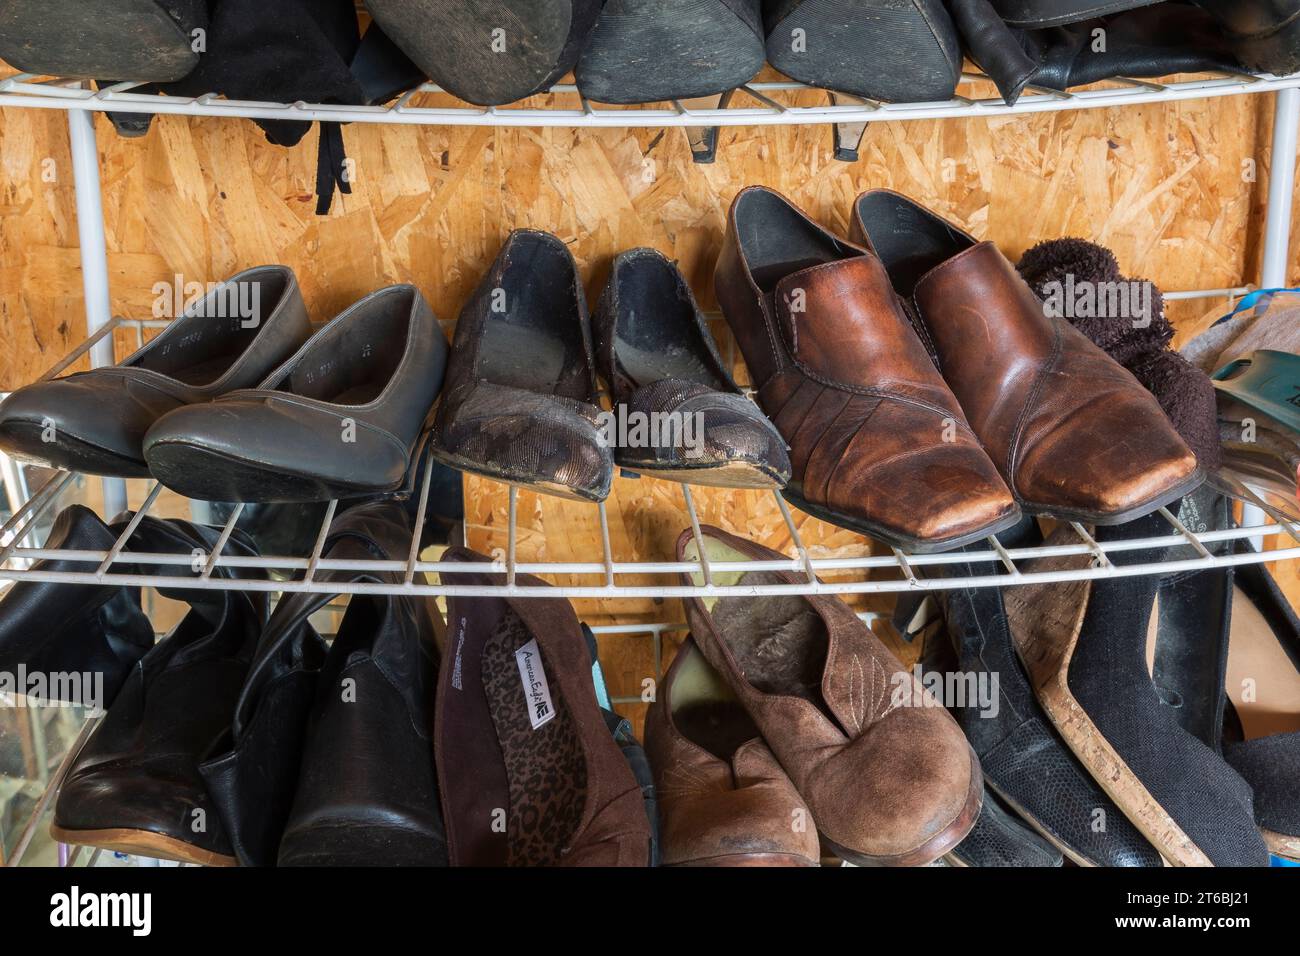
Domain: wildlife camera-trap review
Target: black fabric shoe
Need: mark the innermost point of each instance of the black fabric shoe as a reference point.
(490, 52)
(999, 839)
(135, 785)
(644, 51)
(1084, 645)
(1227, 666)
(1025, 762)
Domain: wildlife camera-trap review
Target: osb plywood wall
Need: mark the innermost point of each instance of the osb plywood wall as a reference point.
(1176, 190)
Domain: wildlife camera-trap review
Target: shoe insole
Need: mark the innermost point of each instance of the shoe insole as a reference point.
(777, 241)
(657, 336)
(1263, 682)
(704, 710)
(545, 768)
(206, 372)
(532, 339)
(910, 241)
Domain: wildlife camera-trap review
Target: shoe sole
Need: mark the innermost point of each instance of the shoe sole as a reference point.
(733, 474)
(714, 51)
(427, 29)
(541, 485)
(884, 50)
(1045, 647)
(206, 475)
(23, 440)
(900, 541)
(938, 845)
(1106, 519)
(117, 39)
(142, 843)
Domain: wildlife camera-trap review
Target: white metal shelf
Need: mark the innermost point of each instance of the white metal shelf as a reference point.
(31, 91)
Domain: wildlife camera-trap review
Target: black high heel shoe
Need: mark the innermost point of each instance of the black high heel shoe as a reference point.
(889, 50)
(490, 52)
(644, 51)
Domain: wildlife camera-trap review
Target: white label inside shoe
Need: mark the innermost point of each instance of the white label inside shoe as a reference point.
(537, 694)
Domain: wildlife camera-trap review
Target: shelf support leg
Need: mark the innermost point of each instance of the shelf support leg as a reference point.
(94, 261)
(1277, 225)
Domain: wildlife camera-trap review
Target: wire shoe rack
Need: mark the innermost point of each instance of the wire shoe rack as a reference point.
(884, 573)
(755, 104)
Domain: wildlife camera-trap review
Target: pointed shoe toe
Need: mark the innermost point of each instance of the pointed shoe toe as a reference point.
(515, 436)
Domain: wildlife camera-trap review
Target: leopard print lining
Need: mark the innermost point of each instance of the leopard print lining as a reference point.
(545, 767)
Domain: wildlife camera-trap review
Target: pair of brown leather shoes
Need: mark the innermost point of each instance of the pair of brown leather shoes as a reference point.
(929, 398)
(784, 718)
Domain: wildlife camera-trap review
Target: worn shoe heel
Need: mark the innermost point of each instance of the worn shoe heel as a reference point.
(644, 51)
(490, 52)
(139, 40)
(890, 50)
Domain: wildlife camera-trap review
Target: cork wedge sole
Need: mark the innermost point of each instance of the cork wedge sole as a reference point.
(1046, 621)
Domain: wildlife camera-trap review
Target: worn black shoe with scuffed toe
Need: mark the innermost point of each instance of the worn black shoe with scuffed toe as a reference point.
(520, 401)
(681, 415)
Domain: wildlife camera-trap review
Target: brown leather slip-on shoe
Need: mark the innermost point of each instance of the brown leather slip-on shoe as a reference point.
(878, 443)
(885, 770)
(1074, 434)
(723, 798)
(527, 769)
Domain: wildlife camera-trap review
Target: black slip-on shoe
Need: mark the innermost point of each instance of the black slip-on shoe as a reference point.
(685, 418)
(644, 51)
(520, 403)
(345, 417)
(95, 422)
